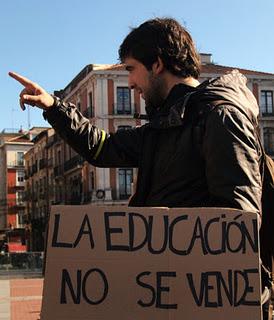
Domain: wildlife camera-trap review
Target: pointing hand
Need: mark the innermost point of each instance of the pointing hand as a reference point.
(32, 94)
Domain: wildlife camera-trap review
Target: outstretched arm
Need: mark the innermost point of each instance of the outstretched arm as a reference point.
(121, 149)
(32, 94)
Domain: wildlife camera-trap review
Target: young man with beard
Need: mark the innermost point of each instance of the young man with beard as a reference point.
(181, 162)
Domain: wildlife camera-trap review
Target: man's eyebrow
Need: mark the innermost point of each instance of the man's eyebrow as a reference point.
(129, 68)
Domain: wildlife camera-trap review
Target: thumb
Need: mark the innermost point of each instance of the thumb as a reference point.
(30, 99)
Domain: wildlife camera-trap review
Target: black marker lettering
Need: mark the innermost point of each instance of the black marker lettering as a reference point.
(147, 286)
(66, 280)
(132, 231)
(55, 242)
(83, 231)
(109, 231)
(105, 286)
(161, 289)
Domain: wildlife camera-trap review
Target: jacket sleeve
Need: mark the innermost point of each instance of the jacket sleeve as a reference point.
(232, 160)
(120, 149)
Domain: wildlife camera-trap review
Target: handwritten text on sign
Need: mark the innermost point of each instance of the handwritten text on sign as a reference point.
(150, 258)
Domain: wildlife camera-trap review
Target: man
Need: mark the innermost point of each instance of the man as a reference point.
(187, 156)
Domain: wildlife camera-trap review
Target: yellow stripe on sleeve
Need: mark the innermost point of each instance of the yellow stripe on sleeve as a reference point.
(103, 138)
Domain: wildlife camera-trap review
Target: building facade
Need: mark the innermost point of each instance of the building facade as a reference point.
(13, 146)
(38, 189)
(101, 93)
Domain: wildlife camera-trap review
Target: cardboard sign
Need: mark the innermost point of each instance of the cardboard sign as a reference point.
(151, 263)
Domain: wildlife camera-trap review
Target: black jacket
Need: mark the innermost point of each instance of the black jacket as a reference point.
(180, 166)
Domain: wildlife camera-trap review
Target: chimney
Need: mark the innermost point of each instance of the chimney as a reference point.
(206, 58)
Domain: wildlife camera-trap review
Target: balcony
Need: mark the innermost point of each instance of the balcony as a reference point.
(58, 171)
(42, 195)
(13, 187)
(267, 114)
(42, 163)
(50, 162)
(15, 164)
(27, 174)
(27, 196)
(34, 169)
(34, 197)
(74, 162)
(124, 110)
(16, 204)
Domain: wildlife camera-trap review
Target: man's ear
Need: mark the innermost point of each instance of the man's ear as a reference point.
(158, 66)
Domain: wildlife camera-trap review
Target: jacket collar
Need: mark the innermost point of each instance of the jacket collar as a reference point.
(171, 113)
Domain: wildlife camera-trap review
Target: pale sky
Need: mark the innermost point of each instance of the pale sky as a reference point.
(50, 41)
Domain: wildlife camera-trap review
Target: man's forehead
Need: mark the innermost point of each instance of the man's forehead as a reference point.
(129, 61)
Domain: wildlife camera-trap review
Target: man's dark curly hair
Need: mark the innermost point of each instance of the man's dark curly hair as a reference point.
(164, 38)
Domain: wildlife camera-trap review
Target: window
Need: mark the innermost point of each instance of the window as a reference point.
(125, 180)
(20, 158)
(45, 183)
(90, 107)
(40, 185)
(20, 197)
(123, 127)
(123, 100)
(269, 140)
(20, 176)
(267, 102)
(59, 157)
(41, 212)
(21, 218)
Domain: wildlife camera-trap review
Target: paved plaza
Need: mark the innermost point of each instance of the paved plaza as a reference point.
(20, 299)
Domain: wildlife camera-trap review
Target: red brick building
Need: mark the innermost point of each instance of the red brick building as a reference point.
(13, 146)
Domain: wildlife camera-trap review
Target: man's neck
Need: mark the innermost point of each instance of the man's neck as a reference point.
(172, 81)
(190, 81)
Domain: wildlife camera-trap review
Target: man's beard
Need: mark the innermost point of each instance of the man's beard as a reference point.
(155, 94)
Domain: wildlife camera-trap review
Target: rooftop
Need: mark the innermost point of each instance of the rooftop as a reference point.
(208, 67)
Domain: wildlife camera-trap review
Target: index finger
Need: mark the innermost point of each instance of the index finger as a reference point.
(23, 80)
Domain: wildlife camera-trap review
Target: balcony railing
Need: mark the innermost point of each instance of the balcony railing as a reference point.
(34, 169)
(267, 114)
(27, 196)
(73, 162)
(50, 162)
(16, 163)
(42, 163)
(126, 109)
(13, 187)
(58, 171)
(15, 204)
(34, 196)
(27, 174)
